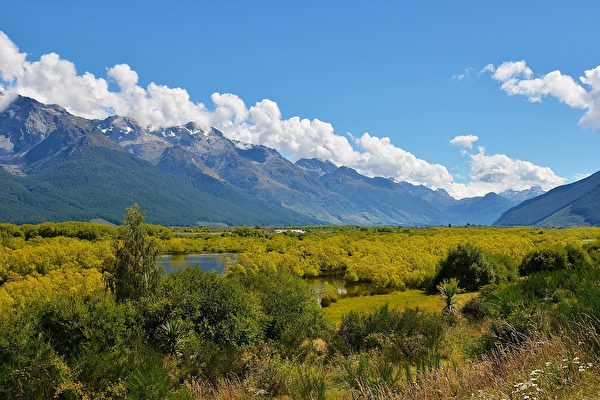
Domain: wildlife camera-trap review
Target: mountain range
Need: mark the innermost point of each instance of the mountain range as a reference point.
(57, 166)
(575, 204)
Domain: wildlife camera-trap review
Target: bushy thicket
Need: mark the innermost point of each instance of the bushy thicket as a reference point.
(473, 268)
(258, 331)
(555, 257)
(560, 296)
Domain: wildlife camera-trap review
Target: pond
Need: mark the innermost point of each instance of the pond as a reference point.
(343, 288)
(208, 262)
(217, 262)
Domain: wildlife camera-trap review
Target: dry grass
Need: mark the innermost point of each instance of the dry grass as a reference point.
(226, 389)
(541, 369)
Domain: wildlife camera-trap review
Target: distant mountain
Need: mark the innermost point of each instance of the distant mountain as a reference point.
(568, 205)
(64, 167)
(482, 210)
(377, 199)
(478, 210)
(58, 166)
(517, 196)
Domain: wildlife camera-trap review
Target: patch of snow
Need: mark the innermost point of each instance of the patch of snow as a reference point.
(6, 144)
(242, 145)
(168, 133)
(196, 131)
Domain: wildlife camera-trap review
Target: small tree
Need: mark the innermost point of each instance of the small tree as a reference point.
(136, 272)
(449, 290)
(469, 265)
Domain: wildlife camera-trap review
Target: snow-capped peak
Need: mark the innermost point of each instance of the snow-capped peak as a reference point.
(242, 145)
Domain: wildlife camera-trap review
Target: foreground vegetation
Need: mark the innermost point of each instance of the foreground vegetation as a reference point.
(453, 313)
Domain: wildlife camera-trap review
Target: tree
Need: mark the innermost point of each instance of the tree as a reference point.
(136, 272)
(468, 264)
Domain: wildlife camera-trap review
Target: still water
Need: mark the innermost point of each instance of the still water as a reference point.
(217, 262)
(208, 262)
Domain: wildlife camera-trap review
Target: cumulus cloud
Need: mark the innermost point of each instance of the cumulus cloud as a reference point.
(499, 172)
(52, 79)
(516, 78)
(499, 169)
(12, 63)
(464, 141)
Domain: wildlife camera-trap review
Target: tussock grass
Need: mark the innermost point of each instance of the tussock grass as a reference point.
(540, 369)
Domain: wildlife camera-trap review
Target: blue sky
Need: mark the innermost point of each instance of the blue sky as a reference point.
(386, 68)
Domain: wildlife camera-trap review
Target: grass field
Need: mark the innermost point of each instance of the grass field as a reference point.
(397, 300)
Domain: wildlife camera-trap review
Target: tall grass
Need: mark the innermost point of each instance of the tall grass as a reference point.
(541, 368)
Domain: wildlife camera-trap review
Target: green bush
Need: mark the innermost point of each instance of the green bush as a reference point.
(593, 249)
(75, 324)
(219, 309)
(558, 302)
(475, 309)
(209, 361)
(79, 230)
(292, 312)
(369, 375)
(65, 346)
(552, 258)
(310, 383)
(469, 265)
(8, 231)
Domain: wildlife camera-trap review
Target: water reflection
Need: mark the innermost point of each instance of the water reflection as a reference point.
(326, 288)
(208, 262)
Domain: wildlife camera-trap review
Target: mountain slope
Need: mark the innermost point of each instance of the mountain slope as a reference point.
(577, 203)
(99, 182)
(65, 167)
(379, 199)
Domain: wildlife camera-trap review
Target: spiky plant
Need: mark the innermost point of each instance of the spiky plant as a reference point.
(169, 337)
(449, 290)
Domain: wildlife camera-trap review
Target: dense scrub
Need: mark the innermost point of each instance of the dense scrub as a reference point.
(388, 257)
(69, 332)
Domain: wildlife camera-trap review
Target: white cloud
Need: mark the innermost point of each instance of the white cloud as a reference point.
(581, 176)
(12, 63)
(516, 78)
(498, 172)
(509, 70)
(52, 79)
(381, 157)
(464, 141)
